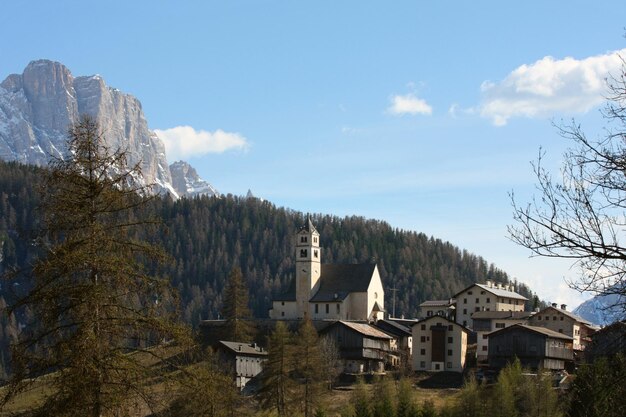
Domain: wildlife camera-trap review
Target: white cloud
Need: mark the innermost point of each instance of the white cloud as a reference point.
(185, 141)
(409, 104)
(548, 86)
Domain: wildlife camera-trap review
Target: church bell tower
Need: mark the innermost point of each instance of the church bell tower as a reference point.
(308, 266)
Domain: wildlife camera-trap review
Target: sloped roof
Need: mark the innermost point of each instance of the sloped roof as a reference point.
(244, 348)
(536, 329)
(337, 281)
(308, 227)
(436, 303)
(392, 327)
(495, 291)
(513, 315)
(422, 321)
(567, 313)
(365, 329)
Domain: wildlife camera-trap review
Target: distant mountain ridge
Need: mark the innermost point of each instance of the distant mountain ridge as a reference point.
(38, 106)
(601, 309)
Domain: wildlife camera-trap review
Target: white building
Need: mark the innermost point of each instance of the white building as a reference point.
(565, 322)
(486, 297)
(328, 291)
(439, 344)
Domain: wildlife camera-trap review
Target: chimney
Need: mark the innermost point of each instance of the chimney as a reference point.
(554, 305)
(563, 306)
(489, 284)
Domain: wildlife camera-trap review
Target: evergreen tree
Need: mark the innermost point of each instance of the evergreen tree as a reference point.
(599, 388)
(308, 366)
(93, 303)
(235, 309)
(276, 384)
(360, 400)
(383, 397)
(406, 403)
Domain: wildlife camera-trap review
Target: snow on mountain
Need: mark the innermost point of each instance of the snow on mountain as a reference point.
(186, 181)
(38, 106)
(601, 309)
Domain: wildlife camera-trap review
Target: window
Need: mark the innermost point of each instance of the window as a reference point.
(485, 336)
(327, 308)
(449, 352)
(560, 330)
(450, 339)
(554, 318)
(317, 308)
(315, 253)
(476, 308)
(469, 293)
(482, 293)
(303, 253)
(538, 318)
(429, 313)
(437, 366)
(282, 313)
(561, 318)
(423, 327)
(338, 308)
(314, 240)
(449, 364)
(464, 323)
(423, 339)
(484, 348)
(422, 351)
(303, 239)
(488, 299)
(477, 300)
(464, 311)
(465, 301)
(449, 327)
(422, 364)
(499, 325)
(282, 303)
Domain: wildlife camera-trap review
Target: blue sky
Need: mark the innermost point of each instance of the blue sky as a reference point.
(423, 114)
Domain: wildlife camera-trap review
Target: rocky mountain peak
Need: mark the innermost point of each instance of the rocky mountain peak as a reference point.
(186, 181)
(38, 106)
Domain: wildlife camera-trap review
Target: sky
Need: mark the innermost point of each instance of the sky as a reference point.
(426, 115)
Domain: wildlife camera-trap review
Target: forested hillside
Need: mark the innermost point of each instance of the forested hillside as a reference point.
(207, 237)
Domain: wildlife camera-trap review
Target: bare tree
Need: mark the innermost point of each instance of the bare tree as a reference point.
(582, 215)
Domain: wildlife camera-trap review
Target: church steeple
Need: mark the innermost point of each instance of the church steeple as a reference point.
(308, 265)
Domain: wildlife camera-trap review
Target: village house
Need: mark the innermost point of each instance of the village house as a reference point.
(562, 321)
(403, 337)
(329, 291)
(243, 360)
(486, 297)
(485, 322)
(438, 308)
(535, 347)
(362, 347)
(439, 344)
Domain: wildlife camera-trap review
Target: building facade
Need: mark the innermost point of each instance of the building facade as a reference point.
(485, 322)
(439, 344)
(486, 297)
(535, 347)
(243, 360)
(562, 321)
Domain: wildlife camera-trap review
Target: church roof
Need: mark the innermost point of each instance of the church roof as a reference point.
(308, 227)
(337, 281)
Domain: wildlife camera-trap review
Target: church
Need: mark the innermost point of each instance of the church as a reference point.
(351, 292)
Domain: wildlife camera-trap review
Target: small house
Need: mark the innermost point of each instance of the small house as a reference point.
(535, 347)
(243, 360)
(439, 344)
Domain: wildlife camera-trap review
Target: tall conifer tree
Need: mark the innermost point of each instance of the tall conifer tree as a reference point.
(235, 309)
(94, 304)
